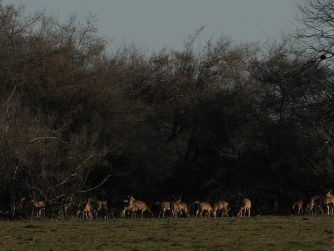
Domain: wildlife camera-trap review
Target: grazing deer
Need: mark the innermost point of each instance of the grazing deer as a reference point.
(63, 210)
(222, 206)
(180, 207)
(245, 208)
(203, 207)
(163, 208)
(328, 201)
(102, 207)
(40, 207)
(135, 206)
(312, 204)
(297, 206)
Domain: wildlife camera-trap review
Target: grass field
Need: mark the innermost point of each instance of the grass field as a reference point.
(256, 233)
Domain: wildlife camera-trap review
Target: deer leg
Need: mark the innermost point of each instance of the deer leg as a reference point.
(77, 215)
(39, 213)
(66, 214)
(197, 212)
(240, 213)
(123, 213)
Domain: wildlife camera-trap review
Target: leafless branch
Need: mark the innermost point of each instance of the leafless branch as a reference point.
(93, 188)
(76, 171)
(10, 96)
(41, 138)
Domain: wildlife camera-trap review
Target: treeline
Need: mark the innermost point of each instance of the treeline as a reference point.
(79, 120)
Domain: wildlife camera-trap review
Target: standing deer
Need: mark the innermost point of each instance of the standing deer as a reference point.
(88, 210)
(311, 207)
(203, 207)
(297, 206)
(222, 206)
(102, 207)
(245, 208)
(328, 201)
(126, 209)
(20, 207)
(63, 210)
(180, 207)
(40, 207)
(136, 206)
(164, 207)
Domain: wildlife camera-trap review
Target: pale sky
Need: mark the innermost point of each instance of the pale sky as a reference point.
(153, 24)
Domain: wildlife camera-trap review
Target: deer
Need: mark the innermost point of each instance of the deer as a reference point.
(245, 208)
(63, 210)
(136, 206)
(312, 204)
(80, 210)
(203, 207)
(102, 207)
(222, 206)
(19, 207)
(20, 204)
(88, 210)
(180, 207)
(164, 206)
(40, 207)
(18, 210)
(328, 201)
(298, 205)
(126, 209)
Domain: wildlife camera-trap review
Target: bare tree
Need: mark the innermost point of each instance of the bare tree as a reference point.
(317, 27)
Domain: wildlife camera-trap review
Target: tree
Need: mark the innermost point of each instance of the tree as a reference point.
(317, 27)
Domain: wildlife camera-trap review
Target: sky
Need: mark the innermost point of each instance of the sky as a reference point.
(154, 24)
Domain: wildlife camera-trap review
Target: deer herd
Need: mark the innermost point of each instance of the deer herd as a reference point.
(315, 205)
(133, 208)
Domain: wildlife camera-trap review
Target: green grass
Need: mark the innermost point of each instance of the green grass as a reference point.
(256, 233)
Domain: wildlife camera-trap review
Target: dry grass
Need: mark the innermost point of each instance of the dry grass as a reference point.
(256, 233)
